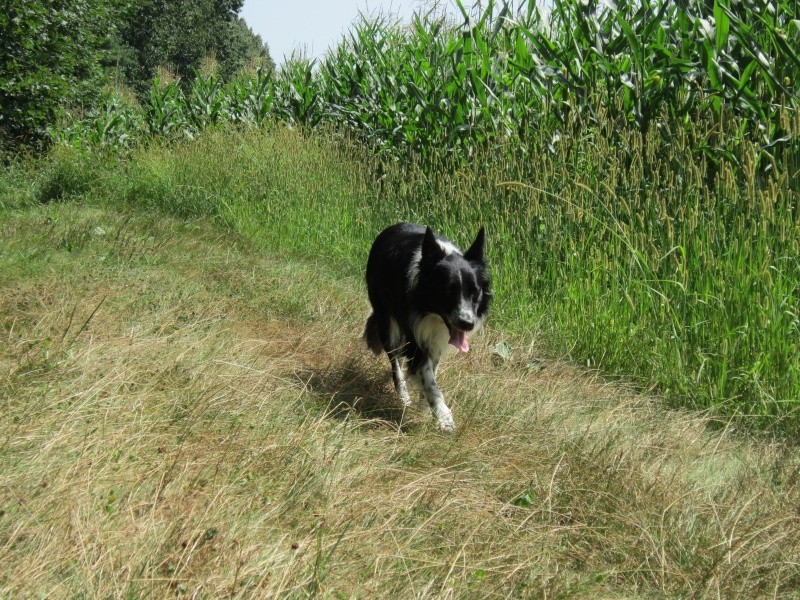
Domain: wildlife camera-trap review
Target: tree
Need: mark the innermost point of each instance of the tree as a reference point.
(241, 47)
(179, 34)
(52, 54)
(57, 54)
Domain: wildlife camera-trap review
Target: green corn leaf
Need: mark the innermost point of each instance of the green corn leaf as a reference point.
(723, 25)
(748, 71)
(632, 38)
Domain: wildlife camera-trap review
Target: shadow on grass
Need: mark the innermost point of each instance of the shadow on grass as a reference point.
(360, 387)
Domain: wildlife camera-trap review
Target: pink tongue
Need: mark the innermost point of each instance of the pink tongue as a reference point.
(459, 340)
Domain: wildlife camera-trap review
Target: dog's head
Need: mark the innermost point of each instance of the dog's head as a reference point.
(455, 286)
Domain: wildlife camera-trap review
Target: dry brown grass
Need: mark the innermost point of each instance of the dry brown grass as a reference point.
(181, 415)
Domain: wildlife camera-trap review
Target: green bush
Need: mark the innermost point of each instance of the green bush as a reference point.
(65, 175)
(53, 53)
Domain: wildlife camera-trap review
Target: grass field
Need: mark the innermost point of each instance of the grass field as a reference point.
(187, 409)
(636, 267)
(636, 164)
(184, 414)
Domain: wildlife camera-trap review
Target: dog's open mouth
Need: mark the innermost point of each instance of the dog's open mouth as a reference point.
(459, 339)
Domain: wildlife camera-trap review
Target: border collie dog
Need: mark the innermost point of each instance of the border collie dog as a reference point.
(426, 296)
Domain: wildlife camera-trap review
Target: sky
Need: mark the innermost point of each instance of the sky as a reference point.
(313, 26)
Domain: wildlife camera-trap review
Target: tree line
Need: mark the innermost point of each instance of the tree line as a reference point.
(55, 55)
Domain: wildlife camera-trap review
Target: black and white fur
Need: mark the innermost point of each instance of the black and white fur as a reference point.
(426, 295)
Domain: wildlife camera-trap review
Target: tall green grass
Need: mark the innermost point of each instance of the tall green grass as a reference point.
(664, 279)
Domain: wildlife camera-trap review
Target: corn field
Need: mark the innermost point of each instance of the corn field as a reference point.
(637, 164)
(435, 85)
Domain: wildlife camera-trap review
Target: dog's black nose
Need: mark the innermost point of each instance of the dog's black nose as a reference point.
(465, 323)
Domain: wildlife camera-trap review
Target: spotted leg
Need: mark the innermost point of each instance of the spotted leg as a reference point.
(427, 376)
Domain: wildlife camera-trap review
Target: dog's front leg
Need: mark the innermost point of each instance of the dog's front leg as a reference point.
(435, 398)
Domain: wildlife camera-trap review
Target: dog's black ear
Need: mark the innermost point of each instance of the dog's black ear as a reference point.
(431, 250)
(475, 252)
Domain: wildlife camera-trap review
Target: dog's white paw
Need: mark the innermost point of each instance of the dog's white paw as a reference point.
(445, 422)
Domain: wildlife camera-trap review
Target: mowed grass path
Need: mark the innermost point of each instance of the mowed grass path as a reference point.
(181, 414)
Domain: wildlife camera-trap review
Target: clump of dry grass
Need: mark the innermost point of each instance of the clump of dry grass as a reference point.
(181, 415)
